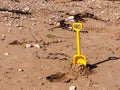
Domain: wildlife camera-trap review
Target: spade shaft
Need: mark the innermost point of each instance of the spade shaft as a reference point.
(78, 58)
(78, 43)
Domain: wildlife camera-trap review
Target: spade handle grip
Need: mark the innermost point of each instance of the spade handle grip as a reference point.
(77, 26)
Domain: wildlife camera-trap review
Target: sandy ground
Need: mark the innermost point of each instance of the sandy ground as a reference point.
(26, 68)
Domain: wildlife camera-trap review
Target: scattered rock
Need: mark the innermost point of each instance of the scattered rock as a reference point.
(28, 45)
(57, 41)
(37, 46)
(118, 17)
(20, 28)
(40, 77)
(21, 12)
(6, 54)
(41, 66)
(26, 9)
(60, 24)
(107, 20)
(33, 24)
(72, 88)
(71, 18)
(66, 23)
(3, 37)
(9, 30)
(21, 70)
(70, 13)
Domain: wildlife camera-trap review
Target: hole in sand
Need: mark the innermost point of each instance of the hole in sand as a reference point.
(73, 74)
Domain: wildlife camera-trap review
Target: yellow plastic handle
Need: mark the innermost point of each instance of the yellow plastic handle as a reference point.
(77, 26)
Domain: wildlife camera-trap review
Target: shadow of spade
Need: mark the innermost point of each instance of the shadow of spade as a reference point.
(95, 65)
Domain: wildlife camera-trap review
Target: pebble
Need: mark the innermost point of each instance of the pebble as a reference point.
(102, 12)
(59, 40)
(8, 24)
(37, 45)
(71, 12)
(40, 77)
(33, 24)
(20, 70)
(41, 66)
(33, 19)
(57, 24)
(3, 37)
(9, 29)
(51, 19)
(118, 17)
(26, 9)
(20, 28)
(72, 88)
(5, 17)
(28, 45)
(70, 28)
(107, 19)
(6, 54)
(25, 17)
(70, 18)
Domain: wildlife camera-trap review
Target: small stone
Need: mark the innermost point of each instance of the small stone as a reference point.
(70, 18)
(37, 45)
(20, 70)
(40, 77)
(3, 37)
(28, 45)
(6, 54)
(33, 24)
(26, 9)
(59, 40)
(20, 28)
(70, 28)
(72, 88)
(57, 23)
(32, 19)
(9, 29)
(41, 66)
(8, 24)
(71, 12)
(118, 17)
(6, 18)
(102, 12)
(107, 19)
(25, 17)
(51, 19)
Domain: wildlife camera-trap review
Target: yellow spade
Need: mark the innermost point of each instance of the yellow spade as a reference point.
(78, 58)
